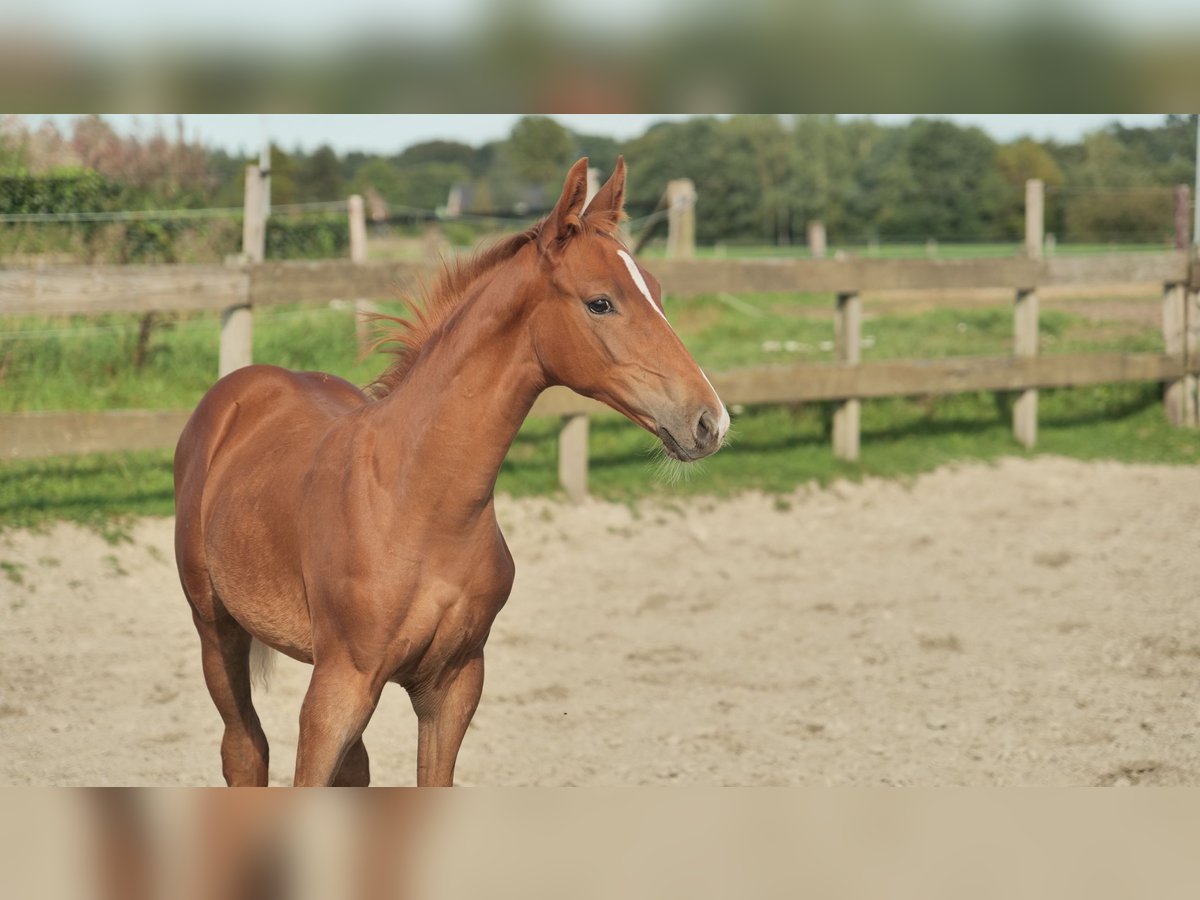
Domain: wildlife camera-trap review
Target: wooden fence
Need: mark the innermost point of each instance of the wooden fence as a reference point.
(237, 289)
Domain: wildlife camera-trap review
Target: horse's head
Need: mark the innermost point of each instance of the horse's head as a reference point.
(602, 331)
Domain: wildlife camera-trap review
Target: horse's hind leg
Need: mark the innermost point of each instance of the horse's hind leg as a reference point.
(225, 650)
(444, 712)
(356, 767)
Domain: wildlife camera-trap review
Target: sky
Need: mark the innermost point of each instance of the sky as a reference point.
(388, 134)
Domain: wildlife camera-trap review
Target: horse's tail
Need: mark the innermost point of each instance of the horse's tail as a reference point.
(262, 663)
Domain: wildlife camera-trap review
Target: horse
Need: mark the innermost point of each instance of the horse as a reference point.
(355, 529)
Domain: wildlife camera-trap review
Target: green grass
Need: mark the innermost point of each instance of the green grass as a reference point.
(774, 449)
(87, 362)
(72, 364)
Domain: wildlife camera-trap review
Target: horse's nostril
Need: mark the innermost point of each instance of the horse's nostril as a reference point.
(706, 428)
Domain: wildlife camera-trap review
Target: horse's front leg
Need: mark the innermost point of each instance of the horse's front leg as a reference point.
(444, 711)
(337, 707)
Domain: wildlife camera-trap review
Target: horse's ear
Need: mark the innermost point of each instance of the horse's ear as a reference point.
(607, 208)
(564, 220)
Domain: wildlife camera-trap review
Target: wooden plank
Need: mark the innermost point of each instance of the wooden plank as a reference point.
(50, 433)
(802, 382)
(848, 341)
(573, 456)
(562, 401)
(1169, 266)
(805, 382)
(306, 282)
(33, 434)
(70, 290)
(99, 289)
(683, 278)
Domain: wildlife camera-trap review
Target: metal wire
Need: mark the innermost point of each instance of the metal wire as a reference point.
(142, 215)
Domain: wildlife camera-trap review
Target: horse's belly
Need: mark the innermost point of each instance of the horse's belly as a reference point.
(259, 583)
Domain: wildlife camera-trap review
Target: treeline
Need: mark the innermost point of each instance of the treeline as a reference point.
(760, 179)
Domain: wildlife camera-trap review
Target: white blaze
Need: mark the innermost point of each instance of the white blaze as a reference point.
(636, 274)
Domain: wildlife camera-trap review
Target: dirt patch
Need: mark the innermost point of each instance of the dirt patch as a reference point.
(1029, 623)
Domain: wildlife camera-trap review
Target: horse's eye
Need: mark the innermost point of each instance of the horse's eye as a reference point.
(600, 306)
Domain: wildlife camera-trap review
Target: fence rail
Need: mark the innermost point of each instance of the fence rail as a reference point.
(37, 434)
(69, 290)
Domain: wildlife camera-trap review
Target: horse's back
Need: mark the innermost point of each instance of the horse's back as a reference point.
(240, 465)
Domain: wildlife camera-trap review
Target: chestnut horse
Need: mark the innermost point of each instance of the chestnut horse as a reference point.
(356, 530)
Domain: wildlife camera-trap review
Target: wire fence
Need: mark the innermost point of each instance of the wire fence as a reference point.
(294, 231)
(1078, 219)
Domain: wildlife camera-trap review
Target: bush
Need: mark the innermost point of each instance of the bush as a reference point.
(310, 237)
(59, 191)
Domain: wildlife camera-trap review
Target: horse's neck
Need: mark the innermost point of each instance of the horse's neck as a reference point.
(458, 410)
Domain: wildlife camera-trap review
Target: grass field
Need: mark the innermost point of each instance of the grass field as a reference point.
(88, 364)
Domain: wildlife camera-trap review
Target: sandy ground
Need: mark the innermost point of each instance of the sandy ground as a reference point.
(1029, 623)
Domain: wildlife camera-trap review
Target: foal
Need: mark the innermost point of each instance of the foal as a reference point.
(356, 530)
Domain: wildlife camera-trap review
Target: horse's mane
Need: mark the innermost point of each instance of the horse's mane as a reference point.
(404, 336)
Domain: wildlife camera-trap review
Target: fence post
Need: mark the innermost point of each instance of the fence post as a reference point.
(681, 219)
(1025, 314)
(573, 456)
(1174, 315)
(1180, 322)
(237, 322)
(1191, 351)
(593, 185)
(1182, 219)
(358, 254)
(848, 348)
(1035, 217)
(816, 239)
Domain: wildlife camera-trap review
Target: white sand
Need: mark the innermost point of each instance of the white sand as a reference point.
(1031, 623)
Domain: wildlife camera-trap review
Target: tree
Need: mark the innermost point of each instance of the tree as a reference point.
(761, 144)
(948, 187)
(727, 200)
(14, 138)
(319, 176)
(283, 177)
(539, 151)
(424, 186)
(454, 152)
(384, 176)
(1117, 196)
(1025, 159)
(1019, 162)
(601, 151)
(823, 179)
